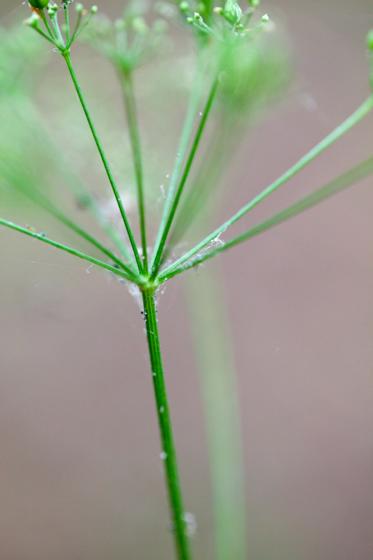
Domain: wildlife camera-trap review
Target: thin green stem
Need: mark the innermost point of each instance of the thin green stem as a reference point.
(206, 181)
(85, 197)
(28, 185)
(67, 249)
(104, 160)
(168, 454)
(187, 169)
(47, 26)
(86, 236)
(67, 21)
(186, 135)
(95, 211)
(350, 122)
(43, 202)
(44, 35)
(76, 186)
(344, 181)
(60, 43)
(76, 29)
(134, 133)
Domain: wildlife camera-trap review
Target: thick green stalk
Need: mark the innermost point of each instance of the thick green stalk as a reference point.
(217, 375)
(342, 182)
(104, 160)
(188, 166)
(168, 454)
(337, 133)
(67, 249)
(134, 133)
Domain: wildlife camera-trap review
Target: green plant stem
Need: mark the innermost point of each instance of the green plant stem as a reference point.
(61, 217)
(188, 166)
(43, 202)
(351, 121)
(206, 182)
(30, 114)
(344, 181)
(168, 454)
(60, 43)
(104, 160)
(215, 359)
(133, 127)
(71, 251)
(208, 5)
(185, 137)
(47, 26)
(76, 29)
(84, 196)
(44, 35)
(67, 21)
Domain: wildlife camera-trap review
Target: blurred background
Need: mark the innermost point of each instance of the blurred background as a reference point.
(80, 473)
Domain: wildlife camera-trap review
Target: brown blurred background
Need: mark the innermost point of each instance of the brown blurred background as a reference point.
(80, 475)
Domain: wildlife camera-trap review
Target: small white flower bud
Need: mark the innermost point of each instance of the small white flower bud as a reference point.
(33, 20)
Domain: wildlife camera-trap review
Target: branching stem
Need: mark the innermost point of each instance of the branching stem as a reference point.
(195, 145)
(185, 137)
(337, 133)
(128, 275)
(104, 160)
(341, 183)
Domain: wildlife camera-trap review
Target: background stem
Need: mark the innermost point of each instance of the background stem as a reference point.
(217, 376)
(168, 454)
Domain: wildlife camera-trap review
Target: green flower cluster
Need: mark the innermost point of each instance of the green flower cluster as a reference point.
(131, 40)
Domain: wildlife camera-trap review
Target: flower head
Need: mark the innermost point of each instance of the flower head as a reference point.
(130, 40)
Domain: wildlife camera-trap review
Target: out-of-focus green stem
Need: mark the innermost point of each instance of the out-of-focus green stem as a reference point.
(213, 344)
